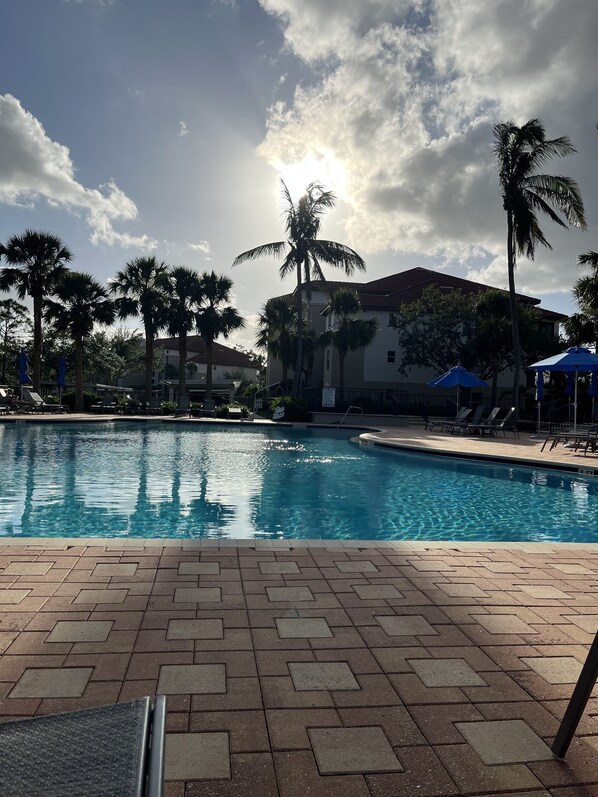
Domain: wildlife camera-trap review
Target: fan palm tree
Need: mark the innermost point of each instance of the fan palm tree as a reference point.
(36, 261)
(142, 288)
(277, 333)
(520, 151)
(305, 252)
(184, 296)
(216, 317)
(582, 327)
(347, 333)
(80, 303)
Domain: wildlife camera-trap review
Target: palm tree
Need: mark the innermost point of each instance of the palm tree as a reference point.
(184, 296)
(80, 303)
(305, 252)
(347, 333)
(38, 260)
(142, 285)
(216, 317)
(582, 327)
(519, 152)
(278, 332)
(14, 317)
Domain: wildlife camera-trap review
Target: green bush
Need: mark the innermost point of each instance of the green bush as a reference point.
(221, 411)
(168, 407)
(89, 398)
(294, 409)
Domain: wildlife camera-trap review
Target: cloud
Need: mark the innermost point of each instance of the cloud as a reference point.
(202, 246)
(33, 167)
(404, 96)
(183, 129)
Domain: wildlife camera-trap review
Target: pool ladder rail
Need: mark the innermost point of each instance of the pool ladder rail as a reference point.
(352, 407)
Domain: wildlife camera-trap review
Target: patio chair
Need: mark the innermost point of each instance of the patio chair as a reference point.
(578, 702)
(208, 407)
(116, 751)
(106, 405)
(486, 426)
(154, 406)
(184, 406)
(235, 412)
(33, 402)
(463, 412)
(462, 425)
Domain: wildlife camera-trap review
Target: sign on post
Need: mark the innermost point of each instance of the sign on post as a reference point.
(328, 396)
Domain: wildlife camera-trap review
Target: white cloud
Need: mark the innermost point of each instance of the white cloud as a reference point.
(202, 246)
(33, 167)
(183, 129)
(404, 96)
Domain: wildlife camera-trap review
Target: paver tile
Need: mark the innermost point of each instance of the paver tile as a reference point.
(198, 679)
(280, 568)
(446, 672)
(503, 624)
(504, 741)
(362, 566)
(342, 751)
(542, 591)
(13, 596)
(462, 590)
(196, 756)
(52, 682)
(289, 594)
(373, 591)
(26, 569)
(80, 631)
(199, 568)
(571, 569)
(555, 669)
(587, 622)
(123, 569)
(197, 595)
(303, 628)
(406, 625)
(101, 596)
(322, 676)
(195, 629)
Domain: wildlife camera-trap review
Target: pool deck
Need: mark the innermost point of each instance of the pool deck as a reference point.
(312, 667)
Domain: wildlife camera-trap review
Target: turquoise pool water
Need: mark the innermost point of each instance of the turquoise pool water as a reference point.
(158, 480)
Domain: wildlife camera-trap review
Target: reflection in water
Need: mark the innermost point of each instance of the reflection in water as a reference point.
(122, 479)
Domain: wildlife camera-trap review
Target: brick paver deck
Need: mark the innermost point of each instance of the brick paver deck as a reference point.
(316, 668)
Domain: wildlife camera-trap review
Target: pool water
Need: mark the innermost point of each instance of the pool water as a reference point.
(162, 480)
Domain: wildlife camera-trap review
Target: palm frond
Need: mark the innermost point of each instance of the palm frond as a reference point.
(562, 193)
(265, 250)
(337, 255)
(588, 259)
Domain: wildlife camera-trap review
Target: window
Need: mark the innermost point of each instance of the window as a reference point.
(390, 356)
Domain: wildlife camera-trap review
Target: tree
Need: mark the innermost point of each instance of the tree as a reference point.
(277, 331)
(347, 332)
(14, 318)
(582, 327)
(81, 302)
(520, 151)
(184, 296)
(442, 329)
(36, 261)
(305, 251)
(216, 317)
(141, 286)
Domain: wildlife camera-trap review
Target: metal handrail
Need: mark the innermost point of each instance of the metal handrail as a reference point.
(352, 407)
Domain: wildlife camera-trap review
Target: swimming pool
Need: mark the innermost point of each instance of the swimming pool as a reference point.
(166, 480)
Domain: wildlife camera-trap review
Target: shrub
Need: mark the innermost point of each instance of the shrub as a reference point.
(294, 409)
(168, 407)
(221, 411)
(89, 398)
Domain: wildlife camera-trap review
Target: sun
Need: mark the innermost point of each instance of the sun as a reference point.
(322, 167)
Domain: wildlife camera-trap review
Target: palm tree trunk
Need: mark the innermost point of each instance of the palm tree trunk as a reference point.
(182, 363)
(514, 313)
(341, 377)
(149, 359)
(299, 357)
(494, 388)
(209, 358)
(37, 341)
(79, 406)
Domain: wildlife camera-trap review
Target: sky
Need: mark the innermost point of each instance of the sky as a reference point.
(135, 127)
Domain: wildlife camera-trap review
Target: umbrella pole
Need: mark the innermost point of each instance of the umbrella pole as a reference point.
(539, 417)
(458, 399)
(575, 405)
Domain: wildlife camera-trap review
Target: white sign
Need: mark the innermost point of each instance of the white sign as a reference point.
(328, 396)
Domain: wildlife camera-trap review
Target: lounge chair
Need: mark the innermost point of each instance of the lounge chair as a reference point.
(154, 407)
(235, 412)
(116, 750)
(507, 425)
(445, 422)
(33, 402)
(6, 401)
(278, 414)
(184, 406)
(107, 404)
(208, 407)
(486, 426)
(463, 424)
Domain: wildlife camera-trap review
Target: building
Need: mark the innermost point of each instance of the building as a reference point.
(376, 367)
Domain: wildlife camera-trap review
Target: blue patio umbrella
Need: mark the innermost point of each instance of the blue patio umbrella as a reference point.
(457, 377)
(23, 364)
(575, 360)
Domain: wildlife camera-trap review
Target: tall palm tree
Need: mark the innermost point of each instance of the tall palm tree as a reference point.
(277, 333)
(80, 303)
(36, 261)
(347, 333)
(141, 286)
(305, 251)
(216, 317)
(520, 151)
(184, 295)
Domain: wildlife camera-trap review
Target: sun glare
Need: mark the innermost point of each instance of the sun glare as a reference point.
(322, 168)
